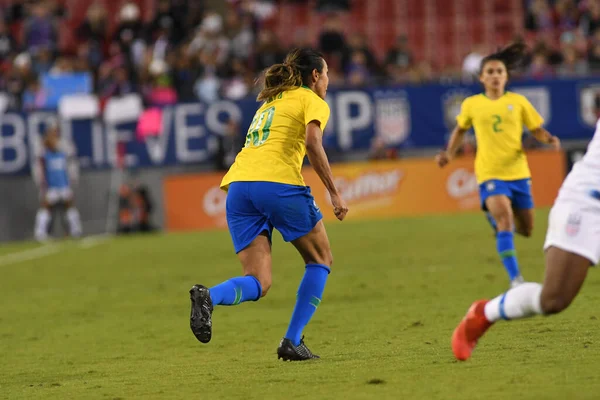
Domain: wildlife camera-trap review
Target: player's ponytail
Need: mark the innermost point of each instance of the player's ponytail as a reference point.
(512, 56)
(295, 71)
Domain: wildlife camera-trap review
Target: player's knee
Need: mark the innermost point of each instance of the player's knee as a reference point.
(504, 221)
(324, 258)
(554, 303)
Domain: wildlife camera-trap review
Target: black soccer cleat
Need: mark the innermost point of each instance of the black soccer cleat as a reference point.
(288, 352)
(202, 308)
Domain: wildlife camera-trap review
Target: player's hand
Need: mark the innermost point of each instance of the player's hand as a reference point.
(442, 159)
(554, 142)
(340, 208)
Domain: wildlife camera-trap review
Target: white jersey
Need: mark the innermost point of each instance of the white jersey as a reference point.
(574, 222)
(584, 179)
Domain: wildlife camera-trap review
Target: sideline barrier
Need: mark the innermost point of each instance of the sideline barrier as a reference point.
(371, 189)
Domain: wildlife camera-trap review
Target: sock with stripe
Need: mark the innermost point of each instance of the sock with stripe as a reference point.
(235, 291)
(308, 299)
(506, 248)
(521, 302)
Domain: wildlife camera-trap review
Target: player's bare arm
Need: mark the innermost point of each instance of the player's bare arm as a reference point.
(318, 160)
(456, 140)
(543, 136)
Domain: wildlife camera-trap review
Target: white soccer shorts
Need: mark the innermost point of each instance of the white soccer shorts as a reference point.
(574, 226)
(54, 195)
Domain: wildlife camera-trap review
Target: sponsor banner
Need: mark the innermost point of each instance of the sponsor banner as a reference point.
(406, 117)
(372, 190)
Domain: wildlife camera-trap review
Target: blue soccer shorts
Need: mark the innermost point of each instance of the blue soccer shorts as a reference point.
(256, 207)
(519, 192)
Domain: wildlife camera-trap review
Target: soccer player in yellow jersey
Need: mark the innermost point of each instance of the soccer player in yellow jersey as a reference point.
(498, 117)
(265, 190)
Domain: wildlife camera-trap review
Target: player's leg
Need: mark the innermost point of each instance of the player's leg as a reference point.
(565, 273)
(43, 217)
(572, 245)
(299, 221)
(72, 214)
(251, 235)
(256, 281)
(500, 207)
(316, 253)
(524, 219)
(522, 202)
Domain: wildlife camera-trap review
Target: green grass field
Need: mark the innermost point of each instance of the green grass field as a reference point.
(111, 321)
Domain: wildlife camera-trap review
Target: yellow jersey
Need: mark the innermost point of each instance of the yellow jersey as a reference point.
(498, 126)
(276, 140)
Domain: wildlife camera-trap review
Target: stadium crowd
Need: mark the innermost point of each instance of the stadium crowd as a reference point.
(187, 52)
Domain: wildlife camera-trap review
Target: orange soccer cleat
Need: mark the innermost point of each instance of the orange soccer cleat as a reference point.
(470, 329)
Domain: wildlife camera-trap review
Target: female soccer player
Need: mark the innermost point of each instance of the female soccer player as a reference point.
(266, 190)
(54, 174)
(501, 167)
(572, 245)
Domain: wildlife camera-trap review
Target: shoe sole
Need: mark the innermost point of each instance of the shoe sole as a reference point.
(286, 358)
(200, 323)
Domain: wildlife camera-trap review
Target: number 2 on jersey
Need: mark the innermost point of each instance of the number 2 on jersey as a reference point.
(258, 133)
(497, 122)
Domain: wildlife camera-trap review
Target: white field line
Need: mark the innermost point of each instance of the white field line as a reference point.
(29, 254)
(92, 241)
(48, 249)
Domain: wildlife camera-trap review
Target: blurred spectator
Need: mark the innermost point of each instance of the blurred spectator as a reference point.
(421, 73)
(19, 77)
(130, 29)
(241, 33)
(230, 143)
(34, 97)
(113, 81)
(357, 70)
(62, 65)
(40, 29)
(332, 41)
(594, 58)
(539, 68)
(261, 10)
(126, 222)
(159, 92)
(472, 63)
(543, 45)
(94, 27)
(238, 82)
(357, 43)
(336, 78)
(166, 22)
(43, 60)
(572, 65)
(210, 39)
(208, 84)
(381, 151)
(268, 50)
(184, 75)
(8, 45)
(590, 19)
(398, 60)
(142, 209)
(565, 14)
(539, 16)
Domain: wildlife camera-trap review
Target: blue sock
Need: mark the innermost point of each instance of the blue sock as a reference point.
(506, 249)
(235, 291)
(308, 299)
